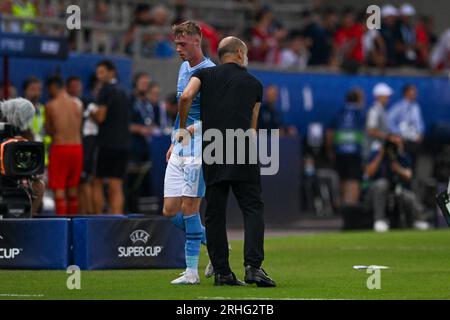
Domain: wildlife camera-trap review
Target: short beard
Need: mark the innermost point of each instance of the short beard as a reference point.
(245, 62)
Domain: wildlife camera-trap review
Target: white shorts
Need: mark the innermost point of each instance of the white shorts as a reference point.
(184, 177)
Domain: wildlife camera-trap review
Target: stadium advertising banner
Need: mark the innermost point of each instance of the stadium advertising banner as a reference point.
(25, 45)
(113, 243)
(34, 243)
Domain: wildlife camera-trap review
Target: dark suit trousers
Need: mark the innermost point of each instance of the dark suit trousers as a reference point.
(248, 196)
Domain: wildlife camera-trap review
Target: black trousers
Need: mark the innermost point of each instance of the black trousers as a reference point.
(248, 196)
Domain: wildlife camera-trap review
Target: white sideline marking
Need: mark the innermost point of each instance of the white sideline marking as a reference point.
(255, 298)
(20, 295)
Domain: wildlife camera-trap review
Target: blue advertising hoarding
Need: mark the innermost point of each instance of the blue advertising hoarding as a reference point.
(28, 45)
(132, 243)
(34, 243)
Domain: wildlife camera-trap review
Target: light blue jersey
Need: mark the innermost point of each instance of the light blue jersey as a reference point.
(184, 76)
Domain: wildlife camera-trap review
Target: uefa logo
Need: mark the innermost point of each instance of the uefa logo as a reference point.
(138, 249)
(139, 236)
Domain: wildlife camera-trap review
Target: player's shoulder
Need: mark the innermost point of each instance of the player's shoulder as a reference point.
(50, 103)
(204, 65)
(184, 66)
(209, 63)
(77, 102)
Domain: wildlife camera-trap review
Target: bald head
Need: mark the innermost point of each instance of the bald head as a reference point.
(232, 49)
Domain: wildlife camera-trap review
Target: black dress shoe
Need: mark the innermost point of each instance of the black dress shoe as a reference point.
(258, 276)
(228, 280)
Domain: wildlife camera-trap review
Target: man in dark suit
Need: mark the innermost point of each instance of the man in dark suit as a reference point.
(230, 102)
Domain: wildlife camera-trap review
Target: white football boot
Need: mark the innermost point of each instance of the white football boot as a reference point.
(209, 270)
(381, 226)
(187, 278)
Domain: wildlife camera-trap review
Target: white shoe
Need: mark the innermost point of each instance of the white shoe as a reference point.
(380, 226)
(187, 278)
(421, 225)
(209, 270)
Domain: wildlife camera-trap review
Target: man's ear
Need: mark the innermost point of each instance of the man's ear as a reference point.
(198, 41)
(240, 54)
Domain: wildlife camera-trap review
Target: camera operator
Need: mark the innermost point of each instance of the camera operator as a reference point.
(390, 174)
(19, 113)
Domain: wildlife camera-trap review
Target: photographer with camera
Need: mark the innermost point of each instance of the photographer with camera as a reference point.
(390, 174)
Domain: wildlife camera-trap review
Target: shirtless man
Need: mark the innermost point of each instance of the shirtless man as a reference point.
(63, 123)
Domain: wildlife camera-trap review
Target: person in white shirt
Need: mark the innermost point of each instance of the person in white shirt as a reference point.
(376, 121)
(296, 54)
(440, 55)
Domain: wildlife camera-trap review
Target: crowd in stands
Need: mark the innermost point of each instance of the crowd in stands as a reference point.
(341, 39)
(334, 37)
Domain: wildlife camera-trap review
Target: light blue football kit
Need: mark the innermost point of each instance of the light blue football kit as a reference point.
(184, 174)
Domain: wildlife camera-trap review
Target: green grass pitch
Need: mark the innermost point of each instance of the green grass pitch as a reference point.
(305, 267)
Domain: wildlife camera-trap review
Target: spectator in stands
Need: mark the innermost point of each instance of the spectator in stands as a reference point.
(142, 17)
(102, 16)
(63, 118)
(210, 40)
(374, 48)
(330, 21)
(113, 117)
(269, 115)
(376, 124)
(440, 55)
(405, 36)
(296, 55)
(389, 172)
(319, 39)
(263, 41)
(405, 119)
(52, 9)
(6, 6)
(389, 15)
(424, 40)
(345, 140)
(348, 42)
(24, 9)
(102, 12)
(163, 47)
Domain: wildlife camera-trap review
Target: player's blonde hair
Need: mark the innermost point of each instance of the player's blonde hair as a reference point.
(189, 28)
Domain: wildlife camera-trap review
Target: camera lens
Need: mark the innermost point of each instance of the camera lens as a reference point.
(26, 159)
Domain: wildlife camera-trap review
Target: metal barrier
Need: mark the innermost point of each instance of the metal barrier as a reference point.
(106, 33)
(94, 37)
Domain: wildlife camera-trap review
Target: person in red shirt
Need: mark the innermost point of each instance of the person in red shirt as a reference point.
(210, 39)
(424, 40)
(348, 39)
(262, 40)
